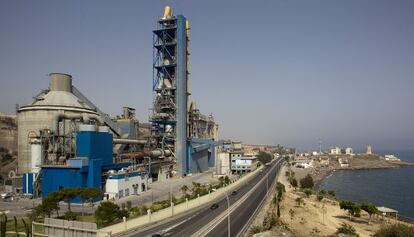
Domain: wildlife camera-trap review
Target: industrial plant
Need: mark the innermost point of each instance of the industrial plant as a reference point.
(64, 140)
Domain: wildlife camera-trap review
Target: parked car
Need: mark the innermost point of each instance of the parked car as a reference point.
(6, 195)
(234, 193)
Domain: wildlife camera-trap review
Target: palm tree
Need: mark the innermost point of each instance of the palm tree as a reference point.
(222, 181)
(184, 189)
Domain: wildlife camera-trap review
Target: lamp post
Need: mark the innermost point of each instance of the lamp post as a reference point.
(228, 215)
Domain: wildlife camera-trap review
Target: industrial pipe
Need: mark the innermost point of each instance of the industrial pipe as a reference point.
(129, 141)
(141, 154)
(86, 118)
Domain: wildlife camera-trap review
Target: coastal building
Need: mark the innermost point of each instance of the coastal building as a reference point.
(368, 150)
(385, 211)
(335, 150)
(324, 160)
(343, 163)
(349, 151)
(302, 162)
(391, 158)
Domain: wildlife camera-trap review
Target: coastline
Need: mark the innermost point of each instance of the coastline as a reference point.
(323, 176)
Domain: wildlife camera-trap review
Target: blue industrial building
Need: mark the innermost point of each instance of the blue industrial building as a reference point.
(94, 154)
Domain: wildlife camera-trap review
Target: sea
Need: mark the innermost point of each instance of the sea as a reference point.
(393, 188)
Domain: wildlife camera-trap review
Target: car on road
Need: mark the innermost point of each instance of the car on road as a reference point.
(234, 193)
(214, 206)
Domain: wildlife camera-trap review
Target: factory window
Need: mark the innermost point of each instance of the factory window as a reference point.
(121, 193)
(127, 192)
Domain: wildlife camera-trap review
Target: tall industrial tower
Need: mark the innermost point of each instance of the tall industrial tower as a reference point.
(169, 117)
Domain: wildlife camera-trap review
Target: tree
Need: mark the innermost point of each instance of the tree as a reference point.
(226, 180)
(352, 208)
(52, 202)
(68, 194)
(107, 212)
(346, 229)
(331, 193)
(307, 182)
(308, 192)
(292, 215)
(221, 181)
(280, 188)
(294, 183)
(264, 157)
(370, 208)
(87, 195)
(184, 189)
(299, 201)
(197, 189)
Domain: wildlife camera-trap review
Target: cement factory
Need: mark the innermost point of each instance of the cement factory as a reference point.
(64, 140)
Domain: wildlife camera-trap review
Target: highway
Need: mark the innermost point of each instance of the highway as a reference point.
(206, 222)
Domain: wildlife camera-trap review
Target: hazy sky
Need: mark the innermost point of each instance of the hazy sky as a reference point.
(288, 72)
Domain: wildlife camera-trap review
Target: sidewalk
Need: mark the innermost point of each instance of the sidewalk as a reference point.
(160, 190)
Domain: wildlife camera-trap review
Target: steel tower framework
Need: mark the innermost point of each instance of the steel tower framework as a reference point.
(170, 75)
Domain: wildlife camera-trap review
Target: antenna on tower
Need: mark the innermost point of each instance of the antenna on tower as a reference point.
(320, 147)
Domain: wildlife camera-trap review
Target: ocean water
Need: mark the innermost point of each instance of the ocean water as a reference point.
(393, 188)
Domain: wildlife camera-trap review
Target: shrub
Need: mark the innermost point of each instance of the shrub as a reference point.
(308, 192)
(395, 230)
(331, 193)
(256, 229)
(320, 197)
(108, 212)
(71, 216)
(307, 182)
(322, 192)
(347, 230)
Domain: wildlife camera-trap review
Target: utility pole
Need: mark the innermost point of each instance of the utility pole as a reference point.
(267, 184)
(228, 216)
(170, 194)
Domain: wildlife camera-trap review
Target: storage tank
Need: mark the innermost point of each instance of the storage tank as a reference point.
(39, 115)
(36, 151)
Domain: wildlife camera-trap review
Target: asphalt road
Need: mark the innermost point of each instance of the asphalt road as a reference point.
(188, 223)
(240, 216)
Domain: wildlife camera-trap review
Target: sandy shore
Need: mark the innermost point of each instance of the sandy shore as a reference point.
(320, 218)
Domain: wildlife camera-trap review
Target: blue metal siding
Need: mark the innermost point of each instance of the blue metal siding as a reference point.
(28, 180)
(54, 179)
(181, 97)
(95, 145)
(199, 161)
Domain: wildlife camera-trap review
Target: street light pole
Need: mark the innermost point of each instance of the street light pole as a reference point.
(267, 184)
(228, 215)
(170, 194)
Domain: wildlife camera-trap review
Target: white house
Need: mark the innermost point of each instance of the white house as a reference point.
(349, 151)
(123, 183)
(335, 150)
